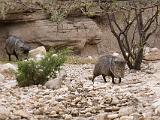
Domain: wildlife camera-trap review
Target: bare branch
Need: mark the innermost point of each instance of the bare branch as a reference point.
(149, 34)
(151, 20)
(111, 26)
(115, 22)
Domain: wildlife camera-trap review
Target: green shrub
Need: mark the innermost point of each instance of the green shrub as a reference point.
(33, 72)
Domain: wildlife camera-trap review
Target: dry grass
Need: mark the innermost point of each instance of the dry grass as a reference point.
(70, 60)
(80, 60)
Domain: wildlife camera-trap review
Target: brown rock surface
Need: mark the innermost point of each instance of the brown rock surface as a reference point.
(75, 33)
(152, 56)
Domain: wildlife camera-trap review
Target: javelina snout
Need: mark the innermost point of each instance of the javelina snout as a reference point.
(15, 46)
(109, 65)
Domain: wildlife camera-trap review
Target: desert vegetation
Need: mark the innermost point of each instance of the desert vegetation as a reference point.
(33, 72)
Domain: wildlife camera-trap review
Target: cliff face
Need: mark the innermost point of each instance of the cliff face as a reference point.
(32, 25)
(83, 34)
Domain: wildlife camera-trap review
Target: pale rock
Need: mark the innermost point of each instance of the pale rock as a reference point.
(9, 67)
(4, 113)
(22, 113)
(157, 110)
(74, 112)
(113, 116)
(13, 117)
(147, 114)
(136, 116)
(1, 77)
(67, 117)
(59, 98)
(154, 49)
(57, 82)
(53, 114)
(126, 118)
(82, 118)
(62, 73)
(102, 116)
(54, 83)
(37, 53)
(147, 50)
(156, 103)
(88, 114)
(124, 111)
(39, 57)
(90, 57)
(114, 101)
(115, 54)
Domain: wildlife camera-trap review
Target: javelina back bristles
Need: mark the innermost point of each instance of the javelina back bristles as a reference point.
(15, 46)
(109, 65)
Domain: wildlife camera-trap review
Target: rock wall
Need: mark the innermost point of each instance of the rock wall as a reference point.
(75, 33)
(83, 34)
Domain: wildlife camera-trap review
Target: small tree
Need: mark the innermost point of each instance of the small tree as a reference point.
(138, 18)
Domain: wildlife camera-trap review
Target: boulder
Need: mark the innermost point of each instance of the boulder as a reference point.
(4, 113)
(37, 53)
(10, 67)
(153, 55)
(124, 111)
(126, 118)
(102, 116)
(22, 114)
(8, 70)
(57, 82)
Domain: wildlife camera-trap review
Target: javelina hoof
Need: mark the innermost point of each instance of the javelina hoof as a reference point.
(115, 82)
(119, 80)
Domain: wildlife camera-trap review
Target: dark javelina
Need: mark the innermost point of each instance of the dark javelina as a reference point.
(109, 65)
(15, 46)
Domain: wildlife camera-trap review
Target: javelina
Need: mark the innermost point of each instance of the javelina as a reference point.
(15, 46)
(109, 65)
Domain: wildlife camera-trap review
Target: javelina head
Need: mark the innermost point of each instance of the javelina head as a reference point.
(23, 50)
(26, 49)
(118, 67)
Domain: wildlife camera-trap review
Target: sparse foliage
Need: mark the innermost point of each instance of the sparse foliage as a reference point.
(59, 10)
(56, 9)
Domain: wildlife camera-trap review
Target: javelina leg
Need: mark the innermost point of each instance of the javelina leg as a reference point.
(119, 80)
(9, 57)
(16, 56)
(104, 77)
(113, 79)
(93, 78)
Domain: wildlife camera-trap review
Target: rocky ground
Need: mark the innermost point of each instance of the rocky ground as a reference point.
(136, 98)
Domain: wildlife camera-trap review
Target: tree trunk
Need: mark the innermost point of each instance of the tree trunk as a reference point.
(138, 61)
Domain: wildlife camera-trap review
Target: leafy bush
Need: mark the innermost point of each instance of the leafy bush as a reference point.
(38, 72)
